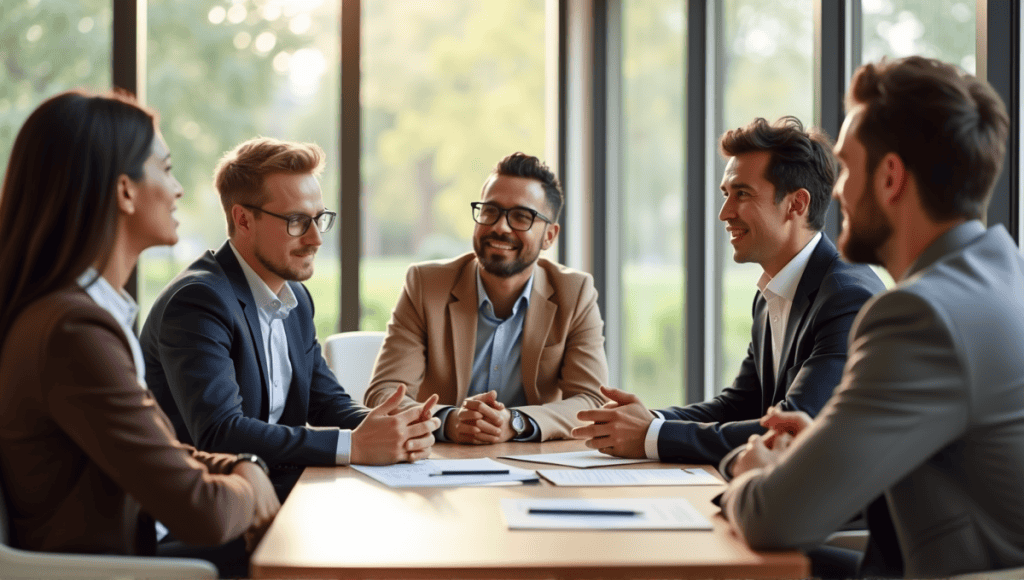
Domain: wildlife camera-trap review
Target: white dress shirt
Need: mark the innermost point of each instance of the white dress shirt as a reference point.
(778, 292)
(273, 309)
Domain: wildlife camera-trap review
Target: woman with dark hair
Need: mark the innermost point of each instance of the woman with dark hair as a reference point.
(87, 458)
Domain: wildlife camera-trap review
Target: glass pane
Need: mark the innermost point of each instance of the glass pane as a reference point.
(449, 87)
(220, 72)
(768, 73)
(652, 208)
(46, 48)
(942, 29)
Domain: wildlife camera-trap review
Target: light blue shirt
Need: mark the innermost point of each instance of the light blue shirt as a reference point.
(497, 355)
(273, 309)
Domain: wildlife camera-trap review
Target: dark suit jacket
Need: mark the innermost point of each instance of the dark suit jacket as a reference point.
(206, 363)
(828, 297)
(86, 455)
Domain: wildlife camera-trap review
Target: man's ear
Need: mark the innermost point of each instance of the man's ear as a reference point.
(890, 178)
(127, 194)
(550, 235)
(799, 203)
(242, 221)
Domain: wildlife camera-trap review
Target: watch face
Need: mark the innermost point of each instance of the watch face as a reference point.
(518, 423)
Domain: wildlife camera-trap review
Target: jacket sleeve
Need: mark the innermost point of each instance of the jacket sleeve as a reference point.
(902, 399)
(195, 348)
(584, 369)
(706, 432)
(92, 394)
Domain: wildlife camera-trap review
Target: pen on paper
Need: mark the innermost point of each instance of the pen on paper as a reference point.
(571, 512)
(472, 472)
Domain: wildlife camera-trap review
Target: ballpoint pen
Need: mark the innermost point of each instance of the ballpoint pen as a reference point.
(472, 472)
(582, 512)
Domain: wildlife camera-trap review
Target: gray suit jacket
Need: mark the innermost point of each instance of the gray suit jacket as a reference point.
(930, 410)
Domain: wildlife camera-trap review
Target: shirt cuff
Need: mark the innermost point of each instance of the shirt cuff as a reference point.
(658, 414)
(343, 454)
(651, 441)
(442, 414)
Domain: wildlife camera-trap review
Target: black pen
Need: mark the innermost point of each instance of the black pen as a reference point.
(571, 512)
(473, 472)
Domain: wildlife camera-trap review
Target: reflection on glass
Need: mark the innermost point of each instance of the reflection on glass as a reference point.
(942, 29)
(768, 73)
(449, 87)
(220, 72)
(652, 208)
(49, 47)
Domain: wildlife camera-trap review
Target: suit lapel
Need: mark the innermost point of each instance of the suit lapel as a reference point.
(539, 317)
(226, 257)
(819, 262)
(296, 408)
(765, 367)
(462, 316)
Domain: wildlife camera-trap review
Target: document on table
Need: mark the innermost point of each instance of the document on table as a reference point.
(613, 477)
(582, 459)
(659, 513)
(447, 473)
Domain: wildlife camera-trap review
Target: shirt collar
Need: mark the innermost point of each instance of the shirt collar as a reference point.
(785, 283)
(280, 304)
(482, 297)
(116, 301)
(951, 241)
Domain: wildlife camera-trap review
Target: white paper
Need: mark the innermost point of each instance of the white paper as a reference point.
(660, 513)
(582, 459)
(419, 474)
(642, 477)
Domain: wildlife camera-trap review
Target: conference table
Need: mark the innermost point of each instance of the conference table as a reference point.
(339, 523)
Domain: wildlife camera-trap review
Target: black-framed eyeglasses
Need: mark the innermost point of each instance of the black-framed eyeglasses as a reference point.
(298, 223)
(518, 218)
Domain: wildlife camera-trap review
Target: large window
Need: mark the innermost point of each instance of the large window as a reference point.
(942, 29)
(449, 87)
(651, 200)
(46, 48)
(767, 73)
(221, 72)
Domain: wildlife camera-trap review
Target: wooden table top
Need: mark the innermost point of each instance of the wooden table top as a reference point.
(339, 523)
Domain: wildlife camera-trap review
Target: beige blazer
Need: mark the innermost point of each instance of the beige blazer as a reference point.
(432, 334)
(86, 453)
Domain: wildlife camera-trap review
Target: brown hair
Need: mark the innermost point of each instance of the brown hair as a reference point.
(799, 159)
(58, 206)
(520, 164)
(241, 172)
(948, 127)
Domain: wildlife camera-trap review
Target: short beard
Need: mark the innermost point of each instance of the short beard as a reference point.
(501, 268)
(861, 241)
(281, 271)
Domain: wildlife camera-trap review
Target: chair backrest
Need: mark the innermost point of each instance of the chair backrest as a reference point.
(351, 356)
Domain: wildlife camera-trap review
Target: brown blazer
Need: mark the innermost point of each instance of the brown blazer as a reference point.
(84, 449)
(432, 334)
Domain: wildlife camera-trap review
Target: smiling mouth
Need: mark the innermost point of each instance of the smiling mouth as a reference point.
(736, 233)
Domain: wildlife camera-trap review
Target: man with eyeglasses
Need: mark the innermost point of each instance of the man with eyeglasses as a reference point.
(230, 345)
(512, 344)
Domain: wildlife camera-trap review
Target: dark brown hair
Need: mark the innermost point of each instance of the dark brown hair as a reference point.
(58, 206)
(240, 174)
(948, 127)
(520, 164)
(799, 159)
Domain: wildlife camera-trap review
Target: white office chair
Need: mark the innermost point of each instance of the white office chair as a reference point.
(351, 356)
(18, 564)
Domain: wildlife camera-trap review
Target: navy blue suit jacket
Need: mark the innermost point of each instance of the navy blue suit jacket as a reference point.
(206, 364)
(828, 297)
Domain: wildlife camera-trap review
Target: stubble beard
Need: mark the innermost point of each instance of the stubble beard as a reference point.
(868, 231)
(503, 268)
(283, 271)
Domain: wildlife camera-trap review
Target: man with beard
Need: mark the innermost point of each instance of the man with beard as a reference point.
(929, 410)
(512, 344)
(230, 345)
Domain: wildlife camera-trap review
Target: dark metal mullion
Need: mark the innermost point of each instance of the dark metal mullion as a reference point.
(999, 61)
(695, 178)
(599, 81)
(834, 41)
(563, 120)
(349, 196)
(127, 68)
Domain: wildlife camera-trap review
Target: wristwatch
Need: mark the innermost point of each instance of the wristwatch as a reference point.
(518, 423)
(250, 458)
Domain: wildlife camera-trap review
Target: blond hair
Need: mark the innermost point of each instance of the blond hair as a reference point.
(241, 172)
